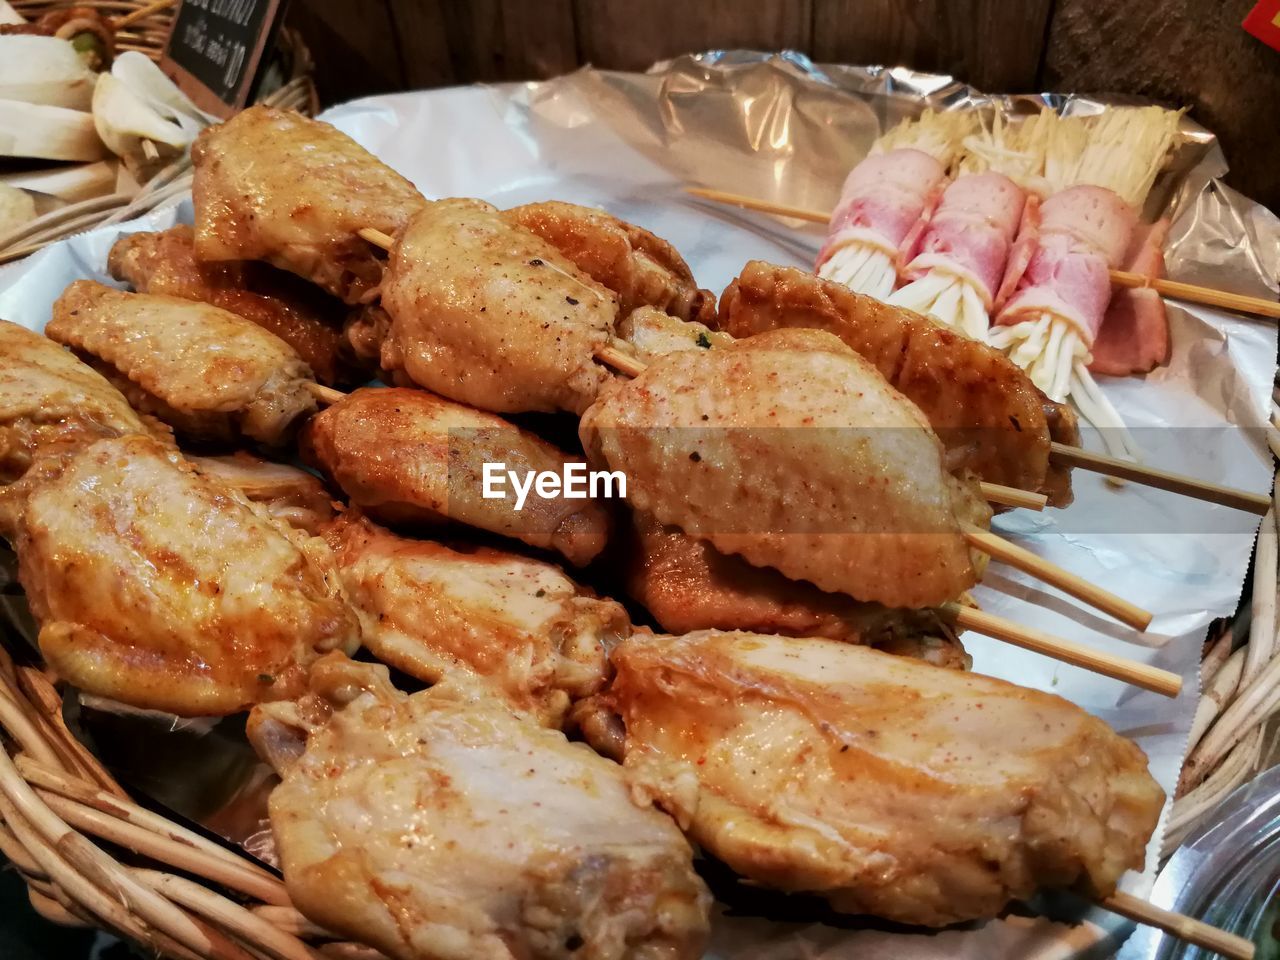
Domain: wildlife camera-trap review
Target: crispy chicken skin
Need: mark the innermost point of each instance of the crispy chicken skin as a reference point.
(49, 399)
(296, 312)
(434, 827)
(520, 627)
(888, 786)
(288, 494)
(687, 585)
(487, 313)
(790, 450)
(642, 269)
(158, 587)
(991, 417)
(408, 456)
(273, 185)
(208, 373)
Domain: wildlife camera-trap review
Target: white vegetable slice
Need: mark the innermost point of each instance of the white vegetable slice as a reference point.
(16, 208)
(50, 133)
(124, 120)
(147, 82)
(44, 70)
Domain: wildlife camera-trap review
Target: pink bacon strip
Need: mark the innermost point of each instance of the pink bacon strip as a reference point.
(1084, 233)
(884, 203)
(972, 231)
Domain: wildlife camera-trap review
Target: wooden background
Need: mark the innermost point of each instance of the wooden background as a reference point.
(1185, 52)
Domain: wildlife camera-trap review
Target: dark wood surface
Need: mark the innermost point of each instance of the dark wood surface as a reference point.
(1185, 52)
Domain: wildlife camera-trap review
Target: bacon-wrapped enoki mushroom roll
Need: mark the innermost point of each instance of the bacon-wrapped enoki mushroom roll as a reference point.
(963, 252)
(886, 200)
(1058, 304)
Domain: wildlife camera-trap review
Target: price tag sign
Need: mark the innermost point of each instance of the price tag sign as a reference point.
(216, 49)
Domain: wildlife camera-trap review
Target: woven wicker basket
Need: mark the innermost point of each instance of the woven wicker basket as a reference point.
(146, 35)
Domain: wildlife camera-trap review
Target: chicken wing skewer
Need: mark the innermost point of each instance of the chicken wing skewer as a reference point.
(159, 587)
(208, 373)
(798, 764)
(1011, 554)
(437, 826)
(295, 311)
(520, 626)
(652, 428)
(407, 456)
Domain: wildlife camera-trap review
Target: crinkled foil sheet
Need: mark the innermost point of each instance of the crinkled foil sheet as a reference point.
(782, 128)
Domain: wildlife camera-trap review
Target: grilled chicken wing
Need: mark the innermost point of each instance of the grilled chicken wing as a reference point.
(407, 456)
(991, 417)
(653, 333)
(206, 372)
(888, 786)
(433, 828)
(296, 312)
(687, 585)
(520, 627)
(158, 587)
(287, 493)
(49, 399)
(486, 313)
(790, 450)
(273, 185)
(642, 269)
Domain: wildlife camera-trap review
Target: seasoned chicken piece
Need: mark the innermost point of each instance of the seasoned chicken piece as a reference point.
(993, 420)
(436, 828)
(687, 585)
(520, 627)
(790, 450)
(296, 312)
(160, 588)
(287, 493)
(642, 269)
(207, 373)
(653, 333)
(407, 456)
(273, 185)
(887, 786)
(49, 399)
(486, 313)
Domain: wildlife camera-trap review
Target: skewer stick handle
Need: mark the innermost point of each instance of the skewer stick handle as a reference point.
(1118, 668)
(325, 396)
(1013, 497)
(764, 206)
(1196, 294)
(1161, 479)
(1179, 926)
(376, 237)
(1066, 581)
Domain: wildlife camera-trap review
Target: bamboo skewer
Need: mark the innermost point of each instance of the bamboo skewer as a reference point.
(1181, 927)
(1142, 675)
(1174, 289)
(1161, 479)
(1066, 581)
